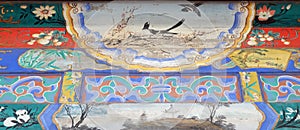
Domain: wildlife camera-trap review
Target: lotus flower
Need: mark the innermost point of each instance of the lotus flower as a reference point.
(264, 13)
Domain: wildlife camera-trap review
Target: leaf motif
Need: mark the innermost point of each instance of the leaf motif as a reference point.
(249, 94)
(261, 31)
(270, 33)
(21, 16)
(252, 35)
(70, 87)
(260, 43)
(25, 16)
(252, 89)
(51, 63)
(251, 85)
(54, 67)
(37, 22)
(40, 64)
(63, 55)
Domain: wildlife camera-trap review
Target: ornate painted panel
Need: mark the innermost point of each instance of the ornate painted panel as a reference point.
(112, 88)
(30, 88)
(131, 65)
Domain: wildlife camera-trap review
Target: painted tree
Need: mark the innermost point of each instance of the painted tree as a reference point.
(84, 111)
(212, 108)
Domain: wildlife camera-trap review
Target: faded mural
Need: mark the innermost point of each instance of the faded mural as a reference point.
(132, 65)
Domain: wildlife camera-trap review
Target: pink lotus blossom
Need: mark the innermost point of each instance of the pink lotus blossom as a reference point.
(264, 13)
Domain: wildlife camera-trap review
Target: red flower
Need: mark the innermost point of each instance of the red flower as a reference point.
(264, 13)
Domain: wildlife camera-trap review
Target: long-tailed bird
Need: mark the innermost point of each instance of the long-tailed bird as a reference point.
(191, 8)
(166, 31)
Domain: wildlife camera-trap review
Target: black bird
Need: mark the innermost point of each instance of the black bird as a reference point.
(191, 8)
(153, 31)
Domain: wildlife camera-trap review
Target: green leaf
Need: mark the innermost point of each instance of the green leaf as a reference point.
(270, 33)
(37, 22)
(70, 87)
(50, 52)
(65, 39)
(249, 94)
(40, 64)
(63, 54)
(69, 78)
(260, 43)
(276, 34)
(25, 16)
(51, 63)
(251, 85)
(21, 16)
(42, 35)
(54, 67)
(261, 31)
(252, 89)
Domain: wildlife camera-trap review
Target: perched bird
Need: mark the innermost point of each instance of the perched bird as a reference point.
(191, 8)
(153, 31)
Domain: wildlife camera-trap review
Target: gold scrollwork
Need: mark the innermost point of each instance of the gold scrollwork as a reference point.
(74, 7)
(243, 7)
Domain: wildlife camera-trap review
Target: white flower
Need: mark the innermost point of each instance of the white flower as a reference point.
(262, 39)
(260, 35)
(55, 40)
(43, 41)
(252, 43)
(252, 38)
(266, 35)
(42, 33)
(288, 7)
(23, 6)
(31, 42)
(57, 43)
(282, 40)
(286, 43)
(44, 12)
(50, 33)
(36, 35)
(48, 37)
(270, 38)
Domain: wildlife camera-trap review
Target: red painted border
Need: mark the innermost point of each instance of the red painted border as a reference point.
(20, 38)
(287, 38)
